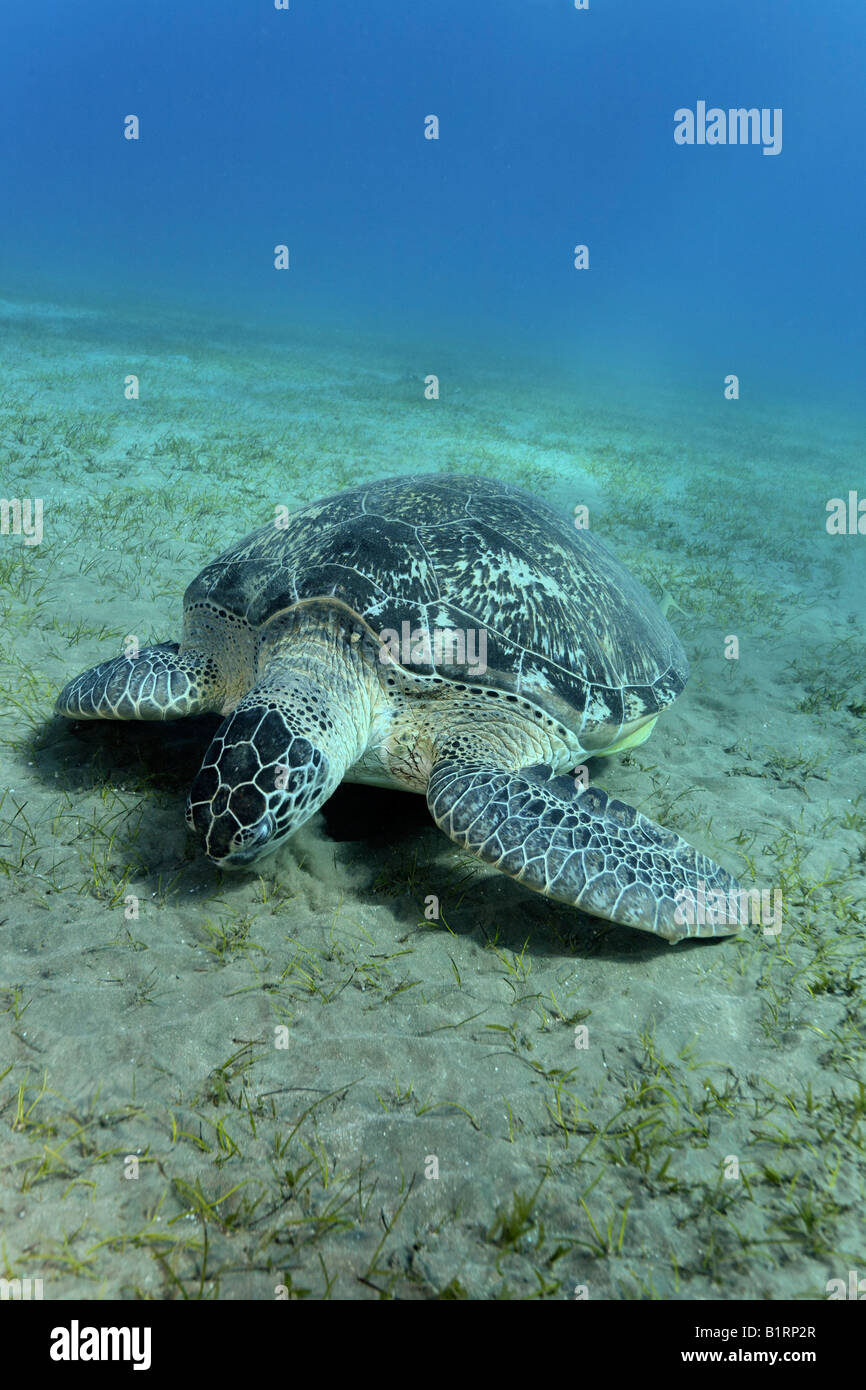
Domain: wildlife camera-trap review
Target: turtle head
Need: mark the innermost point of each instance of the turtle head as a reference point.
(260, 780)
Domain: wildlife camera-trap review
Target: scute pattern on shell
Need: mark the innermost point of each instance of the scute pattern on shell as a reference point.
(567, 625)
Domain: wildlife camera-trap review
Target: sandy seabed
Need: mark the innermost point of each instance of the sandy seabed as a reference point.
(217, 1085)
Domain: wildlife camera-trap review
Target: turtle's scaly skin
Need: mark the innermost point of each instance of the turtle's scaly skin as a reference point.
(587, 849)
(285, 633)
(157, 683)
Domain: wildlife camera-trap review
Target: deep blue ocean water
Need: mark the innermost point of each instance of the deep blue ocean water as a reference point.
(306, 127)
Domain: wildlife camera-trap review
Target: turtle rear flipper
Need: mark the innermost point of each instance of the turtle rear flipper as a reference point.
(583, 848)
(160, 683)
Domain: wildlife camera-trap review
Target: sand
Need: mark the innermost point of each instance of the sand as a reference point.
(291, 1083)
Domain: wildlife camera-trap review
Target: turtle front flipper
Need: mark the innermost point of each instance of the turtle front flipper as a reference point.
(161, 682)
(584, 848)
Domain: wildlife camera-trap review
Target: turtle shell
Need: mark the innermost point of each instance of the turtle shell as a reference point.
(567, 626)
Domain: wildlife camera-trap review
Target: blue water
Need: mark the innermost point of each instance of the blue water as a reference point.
(306, 127)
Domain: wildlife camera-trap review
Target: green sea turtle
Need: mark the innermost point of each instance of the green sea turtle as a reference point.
(444, 635)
